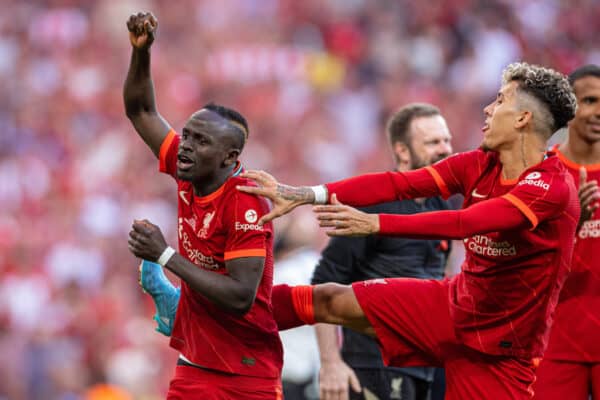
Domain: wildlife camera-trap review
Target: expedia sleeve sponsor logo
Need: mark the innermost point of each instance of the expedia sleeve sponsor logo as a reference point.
(538, 183)
(484, 246)
(590, 229)
(247, 227)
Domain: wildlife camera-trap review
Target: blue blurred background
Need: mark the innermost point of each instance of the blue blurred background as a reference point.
(316, 79)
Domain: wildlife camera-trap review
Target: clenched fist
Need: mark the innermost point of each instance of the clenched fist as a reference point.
(146, 240)
(142, 27)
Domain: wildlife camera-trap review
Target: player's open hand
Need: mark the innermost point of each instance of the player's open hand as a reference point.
(589, 196)
(284, 198)
(142, 27)
(146, 240)
(334, 378)
(345, 220)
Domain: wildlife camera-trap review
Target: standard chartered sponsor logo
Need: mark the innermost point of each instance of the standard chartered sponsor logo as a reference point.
(590, 229)
(483, 245)
(247, 227)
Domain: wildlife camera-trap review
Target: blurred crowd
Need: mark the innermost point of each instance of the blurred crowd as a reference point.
(316, 80)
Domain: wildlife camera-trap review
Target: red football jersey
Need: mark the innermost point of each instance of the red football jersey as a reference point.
(213, 229)
(576, 329)
(503, 300)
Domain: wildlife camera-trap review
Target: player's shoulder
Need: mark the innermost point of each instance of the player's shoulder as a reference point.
(234, 193)
(549, 175)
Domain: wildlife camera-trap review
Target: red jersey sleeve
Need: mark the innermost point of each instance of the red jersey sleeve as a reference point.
(443, 178)
(456, 173)
(246, 238)
(539, 196)
(167, 156)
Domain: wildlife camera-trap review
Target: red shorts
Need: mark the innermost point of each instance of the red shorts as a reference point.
(412, 321)
(191, 383)
(558, 380)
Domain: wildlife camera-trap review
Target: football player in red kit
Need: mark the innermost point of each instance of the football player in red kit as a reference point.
(489, 325)
(571, 365)
(224, 327)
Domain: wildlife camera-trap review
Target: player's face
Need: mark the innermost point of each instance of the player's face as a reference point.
(586, 124)
(201, 150)
(500, 118)
(429, 141)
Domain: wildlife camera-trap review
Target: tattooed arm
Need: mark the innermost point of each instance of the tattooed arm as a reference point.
(284, 197)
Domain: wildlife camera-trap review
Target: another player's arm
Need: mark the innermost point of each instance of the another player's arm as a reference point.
(492, 215)
(234, 292)
(359, 191)
(138, 90)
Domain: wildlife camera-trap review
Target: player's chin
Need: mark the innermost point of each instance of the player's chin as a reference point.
(184, 174)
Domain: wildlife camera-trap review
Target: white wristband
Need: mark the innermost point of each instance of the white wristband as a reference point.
(165, 256)
(320, 192)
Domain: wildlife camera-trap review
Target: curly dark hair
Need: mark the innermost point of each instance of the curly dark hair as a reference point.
(549, 87)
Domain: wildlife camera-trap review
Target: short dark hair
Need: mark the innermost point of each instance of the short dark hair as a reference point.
(585, 71)
(550, 88)
(398, 126)
(231, 115)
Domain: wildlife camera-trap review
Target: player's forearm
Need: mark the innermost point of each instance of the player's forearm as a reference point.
(488, 216)
(222, 290)
(138, 91)
(328, 343)
(364, 190)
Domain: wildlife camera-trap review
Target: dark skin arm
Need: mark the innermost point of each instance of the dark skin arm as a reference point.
(138, 91)
(234, 292)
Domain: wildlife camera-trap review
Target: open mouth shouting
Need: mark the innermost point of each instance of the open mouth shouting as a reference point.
(184, 162)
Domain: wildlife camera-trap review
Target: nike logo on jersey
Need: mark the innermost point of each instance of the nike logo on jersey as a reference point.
(477, 195)
(182, 194)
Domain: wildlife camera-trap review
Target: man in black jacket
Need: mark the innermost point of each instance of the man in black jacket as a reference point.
(419, 137)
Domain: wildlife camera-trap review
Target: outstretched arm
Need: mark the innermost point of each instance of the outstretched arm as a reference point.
(493, 215)
(358, 191)
(138, 91)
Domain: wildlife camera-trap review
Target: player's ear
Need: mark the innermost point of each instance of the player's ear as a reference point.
(231, 157)
(523, 118)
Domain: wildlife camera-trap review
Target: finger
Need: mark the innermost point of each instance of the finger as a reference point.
(131, 23)
(260, 177)
(329, 208)
(354, 382)
(334, 200)
(588, 184)
(325, 216)
(582, 175)
(588, 197)
(268, 218)
(340, 232)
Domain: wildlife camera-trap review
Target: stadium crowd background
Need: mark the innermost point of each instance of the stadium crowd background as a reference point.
(316, 79)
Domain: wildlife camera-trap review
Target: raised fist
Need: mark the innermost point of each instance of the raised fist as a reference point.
(142, 27)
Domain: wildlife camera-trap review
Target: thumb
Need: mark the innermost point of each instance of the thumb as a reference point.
(582, 176)
(334, 200)
(354, 383)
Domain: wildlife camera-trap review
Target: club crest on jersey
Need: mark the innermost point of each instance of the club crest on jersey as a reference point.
(208, 217)
(251, 216)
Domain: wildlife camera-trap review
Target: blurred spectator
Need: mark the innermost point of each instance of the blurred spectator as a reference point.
(313, 78)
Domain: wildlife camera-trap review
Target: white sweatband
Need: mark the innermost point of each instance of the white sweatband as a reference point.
(165, 256)
(320, 192)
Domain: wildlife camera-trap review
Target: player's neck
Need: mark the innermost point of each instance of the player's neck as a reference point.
(210, 185)
(579, 151)
(520, 157)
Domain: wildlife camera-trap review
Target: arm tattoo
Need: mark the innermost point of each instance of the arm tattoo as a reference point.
(303, 193)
